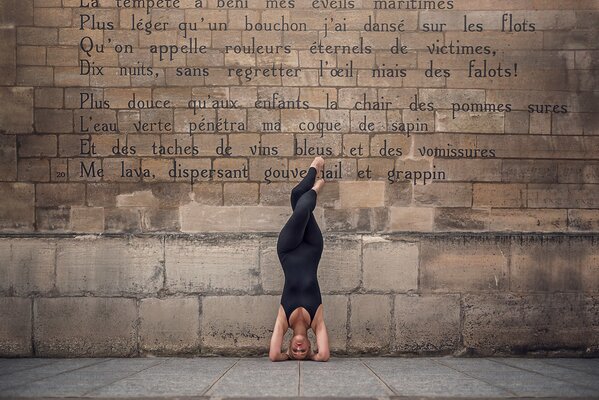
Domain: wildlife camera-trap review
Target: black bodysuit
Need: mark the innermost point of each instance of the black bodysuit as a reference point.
(299, 248)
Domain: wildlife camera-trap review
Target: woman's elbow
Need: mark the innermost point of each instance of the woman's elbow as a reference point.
(325, 356)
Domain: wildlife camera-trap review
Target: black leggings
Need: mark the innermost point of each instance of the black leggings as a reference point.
(299, 247)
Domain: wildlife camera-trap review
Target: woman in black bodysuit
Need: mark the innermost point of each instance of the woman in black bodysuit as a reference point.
(299, 248)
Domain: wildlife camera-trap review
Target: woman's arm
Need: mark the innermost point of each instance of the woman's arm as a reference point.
(322, 340)
(276, 340)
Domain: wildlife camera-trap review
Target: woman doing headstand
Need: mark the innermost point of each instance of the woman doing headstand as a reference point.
(299, 248)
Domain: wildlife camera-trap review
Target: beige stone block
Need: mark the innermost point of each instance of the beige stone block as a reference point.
(37, 145)
(85, 326)
(170, 325)
(18, 118)
(463, 265)
(87, 219)
(36, 36)
(583, 220)
(240, 325)
(196, 217)
(370, 323)
(17, 209)
(443, 194)
(461, 219)
(512, 324)
(15, 329)
(389, 265)
(240, 193)
(550, 265)
(53, 121)
(427, 323)
(469, 122)
(8, 54)
(109, 266)
(529, 171)
(60, 194)
(55, 219)
(35, 76)
(34, 170)
(527, 220)
(8, 157)
(563, 196)
(212, 267)
(361, 194)
(411, 219)
(501, 195)
(578, 172)
(264, 218)
(334, 312)
(31, 55)
(52, 16)
(27, 266)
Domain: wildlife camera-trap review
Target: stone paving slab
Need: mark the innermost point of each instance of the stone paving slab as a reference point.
(367, 378)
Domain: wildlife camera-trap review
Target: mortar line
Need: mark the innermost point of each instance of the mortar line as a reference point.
(60, 373)
(299, 378)
(547, 376)
(391, 388)
(219, 378)
(478, 379)
(123, 378)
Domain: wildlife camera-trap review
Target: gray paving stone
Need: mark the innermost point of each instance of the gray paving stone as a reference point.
(590, 366)
(215, 378)
(425, 377)
(45, 371)
(340, 378)
(9, 365)
(172, 377)
(576, 377)
(76, 383)
(523, 383)
(257, 378)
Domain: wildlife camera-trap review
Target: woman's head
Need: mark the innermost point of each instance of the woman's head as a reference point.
(299, 347)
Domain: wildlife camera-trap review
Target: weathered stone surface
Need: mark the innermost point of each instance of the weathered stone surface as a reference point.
(170, 325)
(85, 326)
(26, 266)
(558, 264)
(18, 118)
(463, 265)
(389, 265)
(210, 267)
(512, 323)
(109, 266)
(427, 323)
(334, 311)
(17, 208)
(239, 324)
(370, 323)
(15, 329)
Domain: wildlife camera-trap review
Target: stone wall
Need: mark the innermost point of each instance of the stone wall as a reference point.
(498, 255)
(219, 294)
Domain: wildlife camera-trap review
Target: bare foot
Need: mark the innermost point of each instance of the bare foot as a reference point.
(318, 185)
(318, 163)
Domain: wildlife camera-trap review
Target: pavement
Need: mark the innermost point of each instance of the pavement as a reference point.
(355, 378)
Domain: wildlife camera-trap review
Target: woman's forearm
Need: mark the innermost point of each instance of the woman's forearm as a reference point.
(282, 357)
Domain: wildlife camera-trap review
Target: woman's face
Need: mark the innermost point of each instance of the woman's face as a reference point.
(299, 347)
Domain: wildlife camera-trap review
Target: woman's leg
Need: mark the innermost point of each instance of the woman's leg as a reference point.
(303, 186)
(293, 232)
(313, 235)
